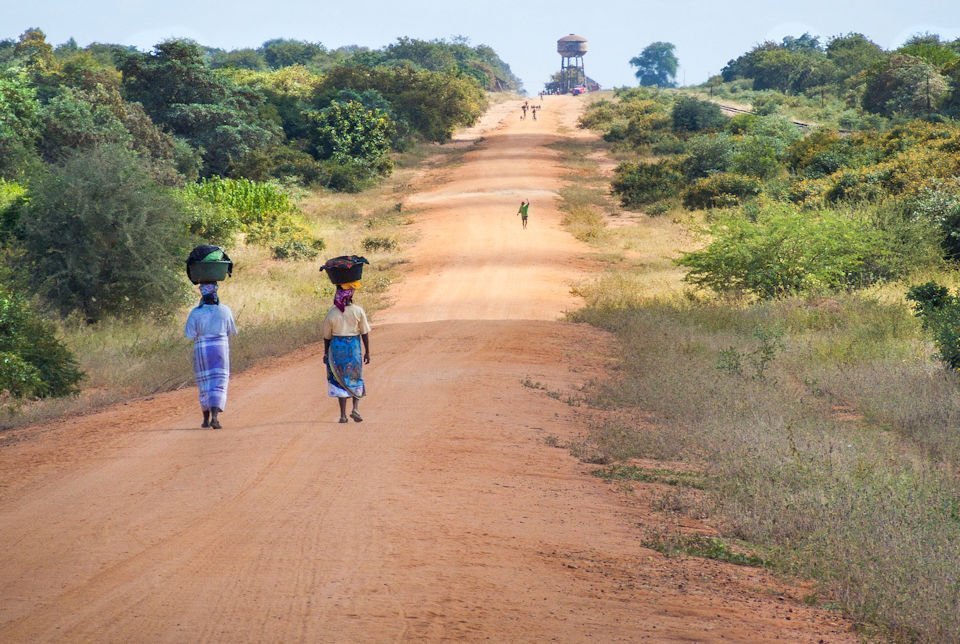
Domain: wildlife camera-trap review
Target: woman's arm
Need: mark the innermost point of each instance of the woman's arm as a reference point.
(326, 349)
(366, 348)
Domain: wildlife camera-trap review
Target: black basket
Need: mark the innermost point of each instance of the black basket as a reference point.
(344, 269)
(200, 271)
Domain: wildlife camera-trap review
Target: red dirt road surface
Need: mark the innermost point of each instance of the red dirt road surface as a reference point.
(445, 515)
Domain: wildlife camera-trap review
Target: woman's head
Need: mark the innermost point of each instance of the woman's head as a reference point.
(208, 293)
(343, 297)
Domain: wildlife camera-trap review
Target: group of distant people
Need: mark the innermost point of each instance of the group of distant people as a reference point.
(531, 108)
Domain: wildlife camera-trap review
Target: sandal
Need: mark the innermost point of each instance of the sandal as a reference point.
(355, 415)
(343, 419)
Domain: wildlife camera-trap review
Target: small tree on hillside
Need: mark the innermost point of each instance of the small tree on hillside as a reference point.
(656, 65)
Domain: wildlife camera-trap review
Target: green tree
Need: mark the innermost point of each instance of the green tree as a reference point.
(283, 52)
(34, 363)
(690, 114)
(182, 93)
(20, 121)
(905, 86)
(853, 54)
(656, 65)
(102, 238)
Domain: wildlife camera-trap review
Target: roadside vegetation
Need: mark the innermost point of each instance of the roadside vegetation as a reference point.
(803, 362)
(114, 163)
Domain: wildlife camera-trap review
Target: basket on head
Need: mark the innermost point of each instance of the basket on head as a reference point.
(208, 264)
(344, 269)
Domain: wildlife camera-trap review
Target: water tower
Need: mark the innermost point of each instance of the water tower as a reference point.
(571, 48)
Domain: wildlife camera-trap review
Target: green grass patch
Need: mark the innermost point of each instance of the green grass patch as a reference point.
(702, 546)
(646, 475)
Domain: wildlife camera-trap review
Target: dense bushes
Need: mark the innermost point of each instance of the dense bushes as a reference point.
(33, 362)
(939, 311)
(779, 251)
(262, 211)
(721, 190)
(638, 184)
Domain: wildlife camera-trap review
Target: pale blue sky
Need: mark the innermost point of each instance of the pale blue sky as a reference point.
(706, 33)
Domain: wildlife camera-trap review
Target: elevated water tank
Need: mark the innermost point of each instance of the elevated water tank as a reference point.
(572, 46)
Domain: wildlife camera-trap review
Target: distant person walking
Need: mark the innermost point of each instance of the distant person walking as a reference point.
(533, 110)
(524, 107)
(343, 329)
(524, 212)
(209, 325)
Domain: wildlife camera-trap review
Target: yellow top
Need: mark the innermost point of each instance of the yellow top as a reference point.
(353, 285)
(353, 321)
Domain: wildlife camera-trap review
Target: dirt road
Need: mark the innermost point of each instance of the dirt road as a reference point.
(445, 515)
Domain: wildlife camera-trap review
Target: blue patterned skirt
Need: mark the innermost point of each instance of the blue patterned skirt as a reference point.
(211, 367)
(345, 367)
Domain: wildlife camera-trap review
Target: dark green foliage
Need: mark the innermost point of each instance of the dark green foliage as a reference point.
(904, 85)
(638, 184)
(939, 311)
(283, 52)
(691, 114)
(33, 361)
(180, 91)
(721, 190)
(102, 238)
(707, 154)
(656, 65)
(20, 122)
(433, 103)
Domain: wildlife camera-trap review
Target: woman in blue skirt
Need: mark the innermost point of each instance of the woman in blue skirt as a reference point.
(209, 325)
(343, 329)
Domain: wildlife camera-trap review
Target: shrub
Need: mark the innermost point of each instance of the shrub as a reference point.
(33, 362)
(707, 154)
(102, 238)
(939, 311)
(694, 115)
(379, 243)
(721, 190)
(641, 183)
(264, 212)
(783, 252)
(298, 247)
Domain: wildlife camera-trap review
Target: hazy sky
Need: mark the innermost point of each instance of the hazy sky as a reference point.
(524, 33)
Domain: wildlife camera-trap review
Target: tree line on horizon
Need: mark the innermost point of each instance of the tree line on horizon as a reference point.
(919, 78)
(115, 161)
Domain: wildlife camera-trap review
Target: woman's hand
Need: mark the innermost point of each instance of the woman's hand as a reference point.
(324, 358)
(366, 358)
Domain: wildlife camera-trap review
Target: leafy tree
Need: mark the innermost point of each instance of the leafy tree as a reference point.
(853, 54)
(930, 48)
(656, 65)
(433, 103)
(34, 363)
(239, 59)
(20, 121)
(181, 92)
(707, 154)
(904, 85)
(102, 238)
(690, 114)
(349, 133)
(282, 52)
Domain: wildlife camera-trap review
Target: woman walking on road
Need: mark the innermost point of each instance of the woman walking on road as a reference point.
(343, 329)
(209, 325)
